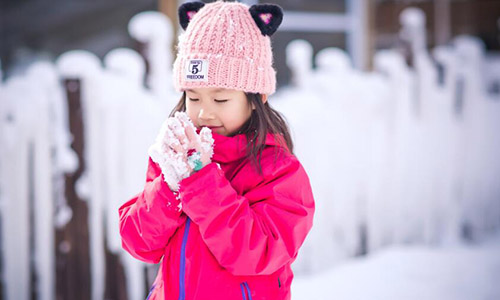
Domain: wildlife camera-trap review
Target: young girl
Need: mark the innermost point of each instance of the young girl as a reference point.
(226, 205)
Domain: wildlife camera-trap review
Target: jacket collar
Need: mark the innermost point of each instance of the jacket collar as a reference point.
(229, 149)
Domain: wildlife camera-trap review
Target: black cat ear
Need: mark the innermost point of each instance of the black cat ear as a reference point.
(268, 17)
(187, 12)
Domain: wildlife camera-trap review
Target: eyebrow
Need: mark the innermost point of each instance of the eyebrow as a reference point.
(215, 91)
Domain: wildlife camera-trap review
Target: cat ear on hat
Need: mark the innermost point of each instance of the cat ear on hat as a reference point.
(268, 17)
(187, 11)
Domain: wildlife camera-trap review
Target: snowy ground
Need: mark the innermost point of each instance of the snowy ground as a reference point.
(410, 272)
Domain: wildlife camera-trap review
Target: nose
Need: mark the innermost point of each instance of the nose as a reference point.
(205, 114)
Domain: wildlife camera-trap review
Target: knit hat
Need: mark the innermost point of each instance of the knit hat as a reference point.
(226, 45)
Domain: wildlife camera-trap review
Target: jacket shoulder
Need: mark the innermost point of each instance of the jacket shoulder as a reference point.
(275, 161)
(283, 178)
(276, 164)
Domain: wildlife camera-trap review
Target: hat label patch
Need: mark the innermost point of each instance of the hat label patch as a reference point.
(196, 70)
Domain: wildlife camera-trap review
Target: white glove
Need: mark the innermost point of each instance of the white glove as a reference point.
(177, 138)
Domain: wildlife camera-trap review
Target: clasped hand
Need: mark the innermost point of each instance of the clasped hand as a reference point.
(179, 150)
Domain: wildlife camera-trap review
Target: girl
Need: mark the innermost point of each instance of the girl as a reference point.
(226, 205)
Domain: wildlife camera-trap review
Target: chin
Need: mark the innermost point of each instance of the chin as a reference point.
(220, 132)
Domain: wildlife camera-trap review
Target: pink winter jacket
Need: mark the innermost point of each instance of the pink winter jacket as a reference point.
(237, 233)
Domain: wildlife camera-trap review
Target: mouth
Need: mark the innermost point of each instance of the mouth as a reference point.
(212, 127)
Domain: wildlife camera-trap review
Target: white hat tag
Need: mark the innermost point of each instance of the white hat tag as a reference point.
(196, 70)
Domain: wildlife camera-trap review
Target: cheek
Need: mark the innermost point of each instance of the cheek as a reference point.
(191, 112)
(242, 115)
(246, 112)
(236, 113)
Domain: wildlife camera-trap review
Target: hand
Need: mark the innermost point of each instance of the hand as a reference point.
(202, 144)
(173, 146)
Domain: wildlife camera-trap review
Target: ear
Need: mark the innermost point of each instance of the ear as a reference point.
(264, 98)
(268, 17)
(187, 11)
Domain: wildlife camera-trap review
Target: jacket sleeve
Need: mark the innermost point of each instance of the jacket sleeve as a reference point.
(255, 233)
(149, 219)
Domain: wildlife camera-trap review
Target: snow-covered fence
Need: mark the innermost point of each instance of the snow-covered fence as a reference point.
(120, 120)
(400, 155)
(154, 32)
(34, 153)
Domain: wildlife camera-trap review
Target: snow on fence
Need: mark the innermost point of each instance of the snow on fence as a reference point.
(399, 155)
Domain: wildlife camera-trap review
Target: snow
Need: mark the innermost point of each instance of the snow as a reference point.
(155, 30)
(405, 159)
(78, 63)
(409, 272)
(176, 138)
(413, 30)
(400, 160)
(299, 53)
(15, 196)
(126, 63)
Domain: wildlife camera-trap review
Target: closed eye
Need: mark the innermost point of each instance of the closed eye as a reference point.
(220, 101)
(192, 99)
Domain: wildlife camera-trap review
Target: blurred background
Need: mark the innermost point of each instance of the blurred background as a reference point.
(400, 98)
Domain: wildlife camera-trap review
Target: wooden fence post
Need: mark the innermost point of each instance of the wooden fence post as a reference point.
(72, 241)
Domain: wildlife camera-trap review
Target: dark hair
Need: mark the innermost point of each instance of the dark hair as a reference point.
(263, 120)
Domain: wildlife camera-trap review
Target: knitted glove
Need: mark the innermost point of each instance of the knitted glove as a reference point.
(179, 150)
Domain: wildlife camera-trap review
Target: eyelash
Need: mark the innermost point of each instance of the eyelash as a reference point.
(218, 101)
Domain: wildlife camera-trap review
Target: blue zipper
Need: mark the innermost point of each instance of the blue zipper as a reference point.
(248, 290)
(243, 291)
(182, 292)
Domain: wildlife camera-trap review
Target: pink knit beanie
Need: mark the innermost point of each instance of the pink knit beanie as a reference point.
(227, 45)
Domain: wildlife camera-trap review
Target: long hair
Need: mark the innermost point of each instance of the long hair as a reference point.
(263, 120)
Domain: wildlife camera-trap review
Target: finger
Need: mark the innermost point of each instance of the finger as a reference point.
(172, 141)
(178, 130)
(206, 137)
(190, 168)
(190, 129)
(163, 159)
(179, 162)
(206, 145)
(173, 156)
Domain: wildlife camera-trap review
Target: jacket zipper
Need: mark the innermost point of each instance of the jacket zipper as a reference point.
(182, 273)
(244, 286)
(243, 292)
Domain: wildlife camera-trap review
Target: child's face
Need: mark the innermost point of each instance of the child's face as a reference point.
(223, 111)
